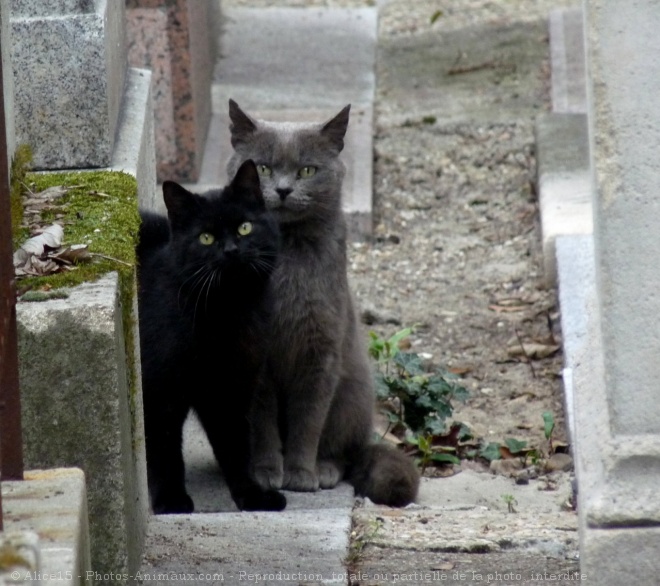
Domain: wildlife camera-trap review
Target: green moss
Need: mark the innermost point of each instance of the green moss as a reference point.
(107, 223)
(102, 212)
(20, 165)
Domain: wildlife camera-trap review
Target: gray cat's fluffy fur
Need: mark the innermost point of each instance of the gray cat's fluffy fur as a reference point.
(314, 426)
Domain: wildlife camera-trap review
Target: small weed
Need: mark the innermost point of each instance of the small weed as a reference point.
(360, 538)
(419, 401)
(510, 501)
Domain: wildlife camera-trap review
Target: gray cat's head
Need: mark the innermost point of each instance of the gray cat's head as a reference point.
(298, 163)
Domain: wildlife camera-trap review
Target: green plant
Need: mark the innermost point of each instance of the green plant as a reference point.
(419, 401)
(429, 454)
(360, 537)
(510, 501)
(518, 448)
(422, 400)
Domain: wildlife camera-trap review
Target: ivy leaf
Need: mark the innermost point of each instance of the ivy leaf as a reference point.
(491, 452)
(450, 458)
(515, 446)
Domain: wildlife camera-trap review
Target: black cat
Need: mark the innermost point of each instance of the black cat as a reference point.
(205, 306)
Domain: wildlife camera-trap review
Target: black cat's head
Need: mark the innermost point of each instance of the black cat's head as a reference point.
(224, 238)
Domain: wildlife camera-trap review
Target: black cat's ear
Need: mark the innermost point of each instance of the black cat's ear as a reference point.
(179, 203)
(335, 128)
(245, 184)
(241, 124)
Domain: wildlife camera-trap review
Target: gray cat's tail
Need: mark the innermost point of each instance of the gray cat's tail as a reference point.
(386, 476)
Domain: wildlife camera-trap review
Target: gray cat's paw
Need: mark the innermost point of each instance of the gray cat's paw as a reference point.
(329, 474)
(301, 480)
(268, 474)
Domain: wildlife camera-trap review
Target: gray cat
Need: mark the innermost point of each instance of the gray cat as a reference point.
(314, 426)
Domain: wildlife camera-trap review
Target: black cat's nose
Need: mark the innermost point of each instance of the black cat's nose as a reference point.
(283, 192)
(231, 248)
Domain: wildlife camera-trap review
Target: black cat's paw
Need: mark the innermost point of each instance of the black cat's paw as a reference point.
(301, 479)
(261, 500)
(172, 503)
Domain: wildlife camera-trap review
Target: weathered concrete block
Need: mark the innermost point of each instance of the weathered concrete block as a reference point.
(81, 409)
(134, 150)
(69, 71)
(568, 61)
(53, 504)
(564, 181)
(173, 39)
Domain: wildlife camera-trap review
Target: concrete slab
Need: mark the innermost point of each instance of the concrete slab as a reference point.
(134, 150)
(334, 52)
(53, 504)
(287, 548)
(79, 409)
(568, 61)
(210, 494)
(292, 58)
(563, 180)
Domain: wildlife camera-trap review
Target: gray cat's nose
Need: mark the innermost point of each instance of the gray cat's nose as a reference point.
(283, 192)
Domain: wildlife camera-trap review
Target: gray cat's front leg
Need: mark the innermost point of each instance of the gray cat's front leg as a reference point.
(266, 461)
(306, 416)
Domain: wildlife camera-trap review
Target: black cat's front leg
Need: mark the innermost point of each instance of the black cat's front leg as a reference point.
(165, 467)
(230, 443)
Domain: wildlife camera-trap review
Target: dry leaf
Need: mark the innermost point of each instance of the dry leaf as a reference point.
(28, 258)
(74, 254)
(533, 350)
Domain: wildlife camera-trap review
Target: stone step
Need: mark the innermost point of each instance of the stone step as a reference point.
(562, 140)
(267, 66)
(287, 548)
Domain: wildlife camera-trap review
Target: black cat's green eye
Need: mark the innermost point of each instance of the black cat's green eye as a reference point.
(245, 228)
(264, 170)
(206, 239)
(307, 172)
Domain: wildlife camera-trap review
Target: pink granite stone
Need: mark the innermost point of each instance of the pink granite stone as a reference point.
(172, 38)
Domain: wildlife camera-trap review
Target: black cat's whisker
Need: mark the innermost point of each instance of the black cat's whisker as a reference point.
(197, 277)
(208, 276)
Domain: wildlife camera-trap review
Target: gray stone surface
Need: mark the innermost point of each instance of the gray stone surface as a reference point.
(36, 8)
(78, 410)
(52, 504)
(625, 128)
(288, 548)
(260, 76)
(7, 77)
(134, 150)
(568, 61)
(563, 181)
(69, 72)
(451, 513)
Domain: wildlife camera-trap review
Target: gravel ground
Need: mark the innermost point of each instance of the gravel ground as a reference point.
(456, 247)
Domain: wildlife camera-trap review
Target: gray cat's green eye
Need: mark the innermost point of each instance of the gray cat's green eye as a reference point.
(307, 172)
(264, 170)
(206, 239)
(245, 228)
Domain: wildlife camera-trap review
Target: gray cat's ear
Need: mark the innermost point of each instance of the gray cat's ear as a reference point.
(178, 202)
(245, 185)
(241, 124)
(335, 128)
